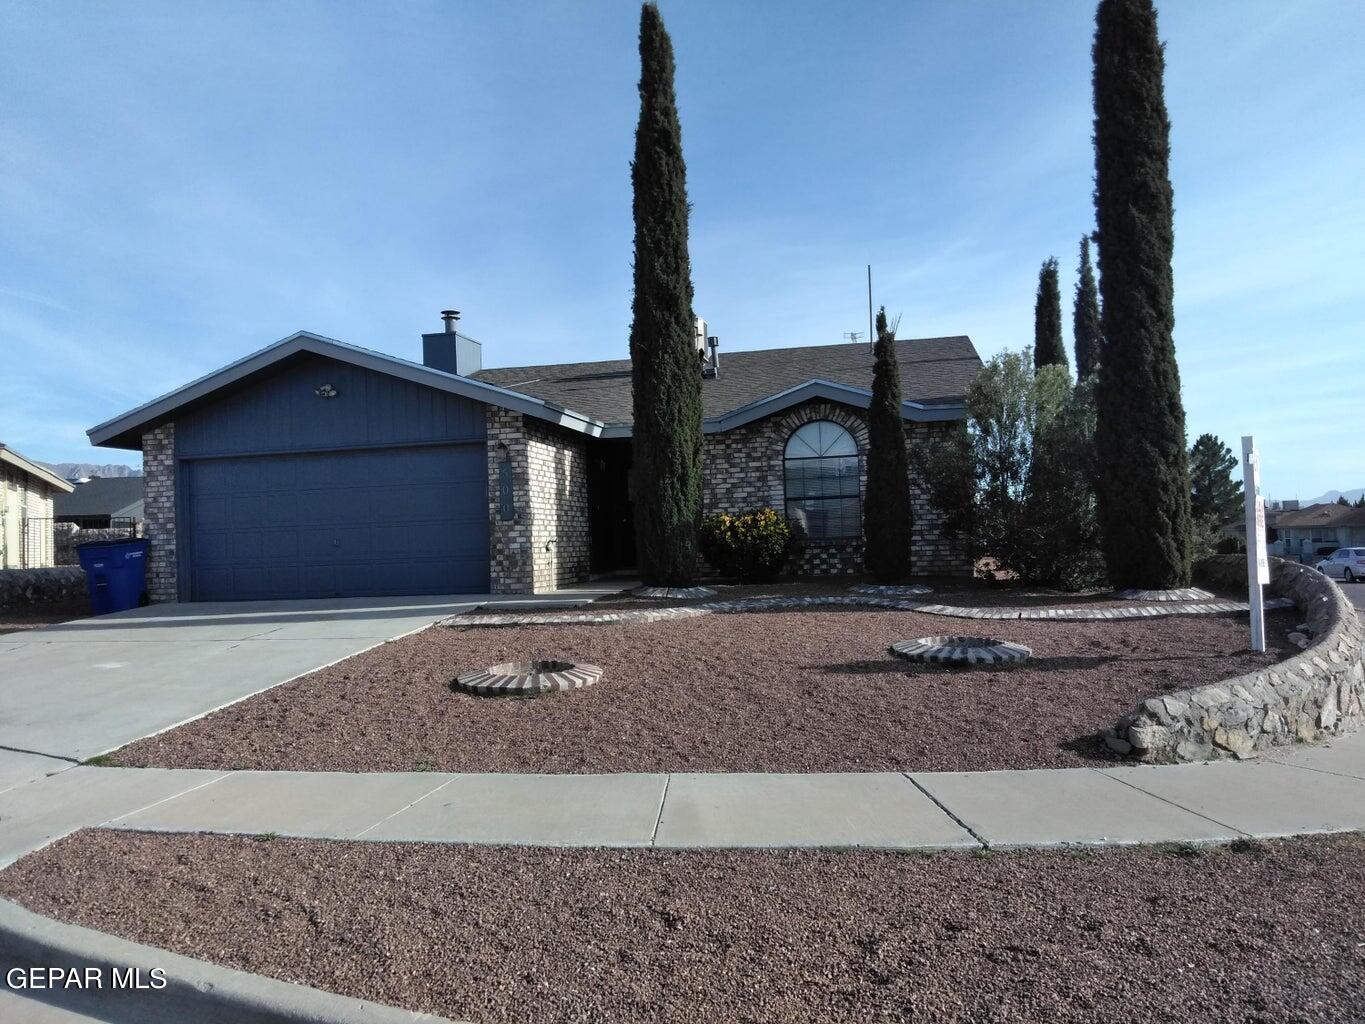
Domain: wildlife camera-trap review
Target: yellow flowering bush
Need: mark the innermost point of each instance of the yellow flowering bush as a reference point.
(752, 546)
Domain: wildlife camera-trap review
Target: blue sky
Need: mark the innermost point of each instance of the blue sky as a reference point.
(181, 183)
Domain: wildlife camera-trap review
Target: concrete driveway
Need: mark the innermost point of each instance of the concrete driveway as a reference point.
(74, 690)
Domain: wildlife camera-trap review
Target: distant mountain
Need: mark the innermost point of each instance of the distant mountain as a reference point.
(77, 470)
(1331, 496)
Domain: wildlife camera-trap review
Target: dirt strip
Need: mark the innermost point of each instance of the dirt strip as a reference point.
(1256, 932)
(800, 691)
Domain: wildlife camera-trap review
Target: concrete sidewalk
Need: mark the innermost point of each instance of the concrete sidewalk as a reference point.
(1304, 790)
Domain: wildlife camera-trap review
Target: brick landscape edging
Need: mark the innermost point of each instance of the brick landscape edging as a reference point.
(1311, 696)
(775, 604)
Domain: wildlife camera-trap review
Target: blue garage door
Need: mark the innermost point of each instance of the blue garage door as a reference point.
(338, 524)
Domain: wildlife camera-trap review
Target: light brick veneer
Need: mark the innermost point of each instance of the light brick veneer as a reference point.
(743, 469)
(545, 543)
(158, 467)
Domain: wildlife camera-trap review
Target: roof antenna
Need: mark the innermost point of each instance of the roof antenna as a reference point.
(871, 333)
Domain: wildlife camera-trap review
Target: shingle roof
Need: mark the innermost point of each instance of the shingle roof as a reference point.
(1323, 515)
(101, 496)
(932, 370)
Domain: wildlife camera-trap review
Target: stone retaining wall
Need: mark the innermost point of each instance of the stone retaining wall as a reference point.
(1310, 697)
(26, 588)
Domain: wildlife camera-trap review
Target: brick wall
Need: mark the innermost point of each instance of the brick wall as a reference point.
(558, 472)
(158, 467)
(743, 469)
(544, 545)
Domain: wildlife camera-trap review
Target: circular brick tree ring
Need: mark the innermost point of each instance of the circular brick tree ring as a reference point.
(890, 590)
(674, 593)
(961, 650)
(528, 678)
(1182, 594)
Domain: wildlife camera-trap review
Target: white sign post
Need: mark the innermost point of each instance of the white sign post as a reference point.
(1258, 565)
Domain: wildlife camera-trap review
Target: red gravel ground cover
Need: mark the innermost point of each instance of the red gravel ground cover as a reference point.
(801, 691)
(1256, 932)
(12, 620)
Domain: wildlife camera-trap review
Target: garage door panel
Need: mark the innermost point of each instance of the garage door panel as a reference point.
(362, 523)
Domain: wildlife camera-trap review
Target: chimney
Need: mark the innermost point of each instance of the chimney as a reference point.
(451, 351)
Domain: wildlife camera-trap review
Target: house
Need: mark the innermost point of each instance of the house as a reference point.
(100, 502)
(317, 468)
(26, 493)
(1307, 533)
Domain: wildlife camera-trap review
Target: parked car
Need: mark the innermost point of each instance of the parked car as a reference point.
(1344, 563)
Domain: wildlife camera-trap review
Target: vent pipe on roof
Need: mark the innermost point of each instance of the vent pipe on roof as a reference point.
(450, 317)
(711, 368)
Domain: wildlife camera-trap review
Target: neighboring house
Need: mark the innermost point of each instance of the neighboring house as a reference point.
(1303, 532)
(26, 493)
(317, 468)
(99, 502)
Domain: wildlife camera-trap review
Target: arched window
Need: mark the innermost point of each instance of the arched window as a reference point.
(820, 465)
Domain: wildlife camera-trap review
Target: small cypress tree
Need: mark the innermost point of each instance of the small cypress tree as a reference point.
(1343, 500)
(1214, 494)
(1143, 480)
(667, 445)
(1048, 349)
(886, 510)
(1086, 317)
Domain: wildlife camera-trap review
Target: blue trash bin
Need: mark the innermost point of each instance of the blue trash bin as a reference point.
(115, 573)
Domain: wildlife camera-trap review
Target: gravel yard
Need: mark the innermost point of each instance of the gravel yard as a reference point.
(12, 620)
(801, 691)
(1248, 934)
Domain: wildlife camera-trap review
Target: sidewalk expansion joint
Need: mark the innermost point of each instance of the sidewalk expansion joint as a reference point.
(164, 799)
(1169, 802)
(944, 808)
(1311, 768)
(414, 803)
(40, 753)
(658, 818)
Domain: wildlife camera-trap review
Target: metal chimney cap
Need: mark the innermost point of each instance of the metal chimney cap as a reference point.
(449, 316)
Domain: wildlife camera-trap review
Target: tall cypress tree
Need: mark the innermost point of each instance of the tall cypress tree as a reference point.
(1086, 317)
(1143, 479)
(1048, 349)
(665, 368)
(886, 511)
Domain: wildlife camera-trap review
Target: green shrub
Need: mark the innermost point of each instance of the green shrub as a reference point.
(752, 546)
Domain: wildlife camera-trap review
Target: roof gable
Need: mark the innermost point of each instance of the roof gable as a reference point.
(125, 431)
(13, 458)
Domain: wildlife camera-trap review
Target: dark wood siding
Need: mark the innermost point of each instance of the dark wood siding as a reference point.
(282, 412)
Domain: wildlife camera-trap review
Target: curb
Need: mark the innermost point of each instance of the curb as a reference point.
(195, 989)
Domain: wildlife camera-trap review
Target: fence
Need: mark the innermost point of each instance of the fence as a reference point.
(49, 542)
